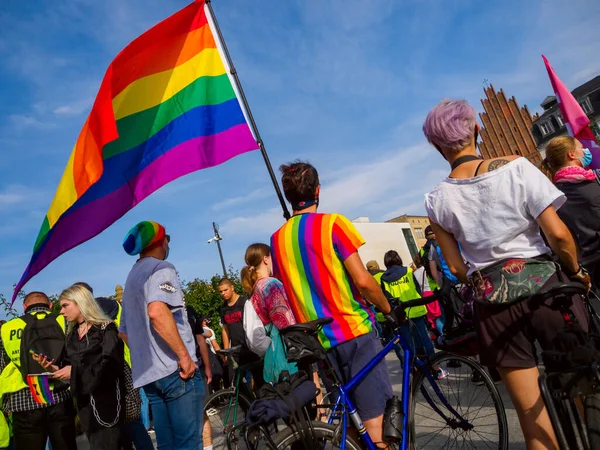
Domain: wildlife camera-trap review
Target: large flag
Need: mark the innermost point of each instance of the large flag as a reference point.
(166, 107)
(576, 120)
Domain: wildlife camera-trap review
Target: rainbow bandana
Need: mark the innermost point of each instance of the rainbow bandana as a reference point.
(142, 236)
(40, 389)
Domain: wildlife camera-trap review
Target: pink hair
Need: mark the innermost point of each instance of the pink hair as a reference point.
(450, 125)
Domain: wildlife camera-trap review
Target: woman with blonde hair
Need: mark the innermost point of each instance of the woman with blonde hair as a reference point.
(94, 367)
(568, 162)
(267, 311)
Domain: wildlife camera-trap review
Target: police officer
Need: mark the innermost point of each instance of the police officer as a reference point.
(34, 422)
(398, 282)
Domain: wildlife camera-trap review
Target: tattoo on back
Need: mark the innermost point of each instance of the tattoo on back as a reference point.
(497, 163)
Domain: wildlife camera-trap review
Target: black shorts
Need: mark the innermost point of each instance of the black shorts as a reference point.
(372, 393)
(506, 334)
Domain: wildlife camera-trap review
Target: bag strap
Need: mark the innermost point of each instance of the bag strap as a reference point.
(478, 167)
(269, 329)
(463, 159)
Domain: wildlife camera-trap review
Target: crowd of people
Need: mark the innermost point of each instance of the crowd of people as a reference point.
(489, 218)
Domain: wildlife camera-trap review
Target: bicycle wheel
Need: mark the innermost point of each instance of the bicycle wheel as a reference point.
(328, 437)
(592, 419)
(470, 391)
(223, 413)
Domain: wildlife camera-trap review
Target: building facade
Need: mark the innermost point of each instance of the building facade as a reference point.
(506, 128)
(550, 123)
(383, 236)
(417, 225)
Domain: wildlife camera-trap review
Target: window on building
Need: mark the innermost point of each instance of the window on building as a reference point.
(419, 233)
(410, 241)
(546, 128)
(586, 105)
(560, 121)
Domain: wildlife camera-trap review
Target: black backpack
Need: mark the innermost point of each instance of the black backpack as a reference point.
(44, 336)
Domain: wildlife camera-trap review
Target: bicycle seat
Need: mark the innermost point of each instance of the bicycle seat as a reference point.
(312, 327)
(232, 351)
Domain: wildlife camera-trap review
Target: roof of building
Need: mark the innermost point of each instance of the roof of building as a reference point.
(578, 92)
(549, 99)
(406, 217)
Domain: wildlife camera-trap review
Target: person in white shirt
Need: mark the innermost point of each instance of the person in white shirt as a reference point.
(209, 335)
(495, 209)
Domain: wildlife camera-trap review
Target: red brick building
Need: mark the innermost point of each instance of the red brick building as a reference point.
(506, 128)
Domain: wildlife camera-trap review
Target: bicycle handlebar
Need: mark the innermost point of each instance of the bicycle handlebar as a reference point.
(418, 301)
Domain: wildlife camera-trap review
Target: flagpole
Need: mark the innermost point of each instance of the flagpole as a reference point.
(259, 141)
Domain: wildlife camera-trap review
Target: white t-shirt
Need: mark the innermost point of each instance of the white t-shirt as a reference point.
(209, 340)
(493, 216)
(421, 277)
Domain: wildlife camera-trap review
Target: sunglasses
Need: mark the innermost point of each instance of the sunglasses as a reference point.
(168, 237)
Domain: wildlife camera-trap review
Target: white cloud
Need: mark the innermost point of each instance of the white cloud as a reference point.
(20, 196)
(256, 194)
(378, 187)
(20, 122)
(252, 224)
(74, 108)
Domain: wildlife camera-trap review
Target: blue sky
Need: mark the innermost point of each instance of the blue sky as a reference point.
(343, 84)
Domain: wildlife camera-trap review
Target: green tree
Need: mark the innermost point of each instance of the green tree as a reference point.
(204, 298)
(8, 309)
(55, 303)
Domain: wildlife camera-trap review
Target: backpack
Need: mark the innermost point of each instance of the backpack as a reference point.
(44, 336)
(276, 360)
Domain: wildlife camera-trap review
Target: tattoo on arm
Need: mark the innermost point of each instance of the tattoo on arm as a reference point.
(497, 163)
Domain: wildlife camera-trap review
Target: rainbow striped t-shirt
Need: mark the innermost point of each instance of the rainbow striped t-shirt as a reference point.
(308, 254)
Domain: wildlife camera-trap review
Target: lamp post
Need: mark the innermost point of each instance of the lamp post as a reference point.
(218, 238)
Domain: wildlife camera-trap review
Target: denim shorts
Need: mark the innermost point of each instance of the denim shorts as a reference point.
(373, 392)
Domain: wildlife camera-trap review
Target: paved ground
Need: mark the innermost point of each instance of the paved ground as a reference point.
(480, 411)
(457, 387)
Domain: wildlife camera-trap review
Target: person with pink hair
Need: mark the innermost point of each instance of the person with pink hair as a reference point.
(495, 208)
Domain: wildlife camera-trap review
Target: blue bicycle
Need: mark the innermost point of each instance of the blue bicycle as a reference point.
(462, 410)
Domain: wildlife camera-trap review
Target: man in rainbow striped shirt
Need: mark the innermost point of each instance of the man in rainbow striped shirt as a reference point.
(316, 258)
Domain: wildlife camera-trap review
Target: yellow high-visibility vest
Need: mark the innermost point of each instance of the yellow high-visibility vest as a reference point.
(126, 351)
(405, 289)
(12, 332)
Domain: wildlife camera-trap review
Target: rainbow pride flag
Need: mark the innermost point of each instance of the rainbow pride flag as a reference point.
(166, 107)
(40, 389)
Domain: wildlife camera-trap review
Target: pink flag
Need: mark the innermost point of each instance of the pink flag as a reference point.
(575, 119)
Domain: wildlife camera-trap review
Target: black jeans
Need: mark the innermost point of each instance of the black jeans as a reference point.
(451, 302)
(33, 428)
(104, 438)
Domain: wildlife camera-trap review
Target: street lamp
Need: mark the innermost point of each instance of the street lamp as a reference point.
(218, 238)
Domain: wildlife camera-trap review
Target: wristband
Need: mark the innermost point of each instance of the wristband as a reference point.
(572, 274)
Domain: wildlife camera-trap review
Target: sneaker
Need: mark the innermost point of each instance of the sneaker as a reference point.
(476, 378)
(441, 374)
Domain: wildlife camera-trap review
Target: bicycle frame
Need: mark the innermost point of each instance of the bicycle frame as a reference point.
(344, 405)
(239, 374)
